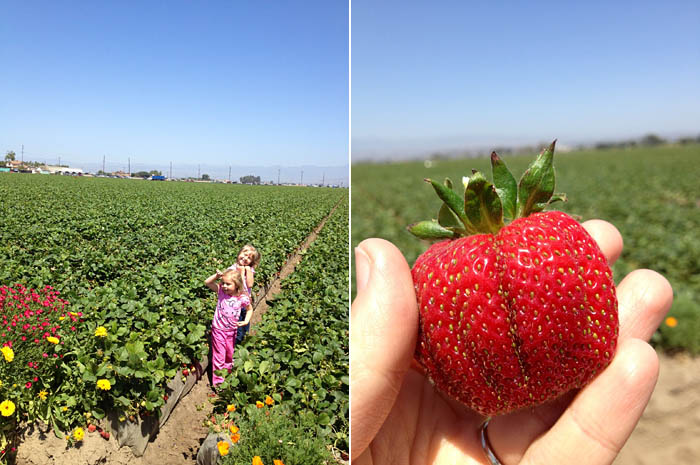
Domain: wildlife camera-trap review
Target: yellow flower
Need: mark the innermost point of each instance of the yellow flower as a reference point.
(42, 395)
(278, 462)
(259, 404)
(257, 460)
(101, 331)
(223, 447)
(233, 429)
(104, 384)
(231, 408)
(269, 401)
(61, 318)
(8, 353)
(78, 434)
(64, 408)
(52, 340)
(671, 322)
(235, 437)
(7, 408)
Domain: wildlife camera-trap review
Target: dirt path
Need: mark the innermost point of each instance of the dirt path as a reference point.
(178, 441)
(669, 430)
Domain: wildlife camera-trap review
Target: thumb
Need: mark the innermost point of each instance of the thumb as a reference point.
(383, 328)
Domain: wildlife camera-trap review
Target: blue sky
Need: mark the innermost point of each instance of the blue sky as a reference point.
(220, 83)
(463, 74)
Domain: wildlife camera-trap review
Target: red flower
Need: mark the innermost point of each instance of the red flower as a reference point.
(28, 385)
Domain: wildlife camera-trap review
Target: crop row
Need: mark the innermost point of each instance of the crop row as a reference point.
(650, 194)
(300, 349)
(130, 258)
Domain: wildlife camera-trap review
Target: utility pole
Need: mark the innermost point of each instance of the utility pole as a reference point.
(323, 183)
(103, 164)
(229, 174)
(171, 170)
(278, 177)
(22, 153)
(59, 161)
(302, 177)
(129, 164)
(197, 171)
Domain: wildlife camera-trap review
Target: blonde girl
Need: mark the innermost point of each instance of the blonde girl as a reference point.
(231, 299)
(248, 258)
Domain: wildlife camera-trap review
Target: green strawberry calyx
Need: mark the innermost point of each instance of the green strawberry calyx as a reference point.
(488, 206)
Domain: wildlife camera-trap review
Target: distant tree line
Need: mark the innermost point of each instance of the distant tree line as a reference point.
(250, 179)
(650, 140)
(146, 174)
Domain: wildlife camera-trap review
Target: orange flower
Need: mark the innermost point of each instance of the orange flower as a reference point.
(235, 437)
(671, 322)
(231, 408)
(278, 462)
(223, 447)
(269, 401)
(259, 404)
(257, 460)
(233, 429)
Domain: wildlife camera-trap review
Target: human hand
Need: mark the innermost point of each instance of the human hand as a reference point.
(219, 273)
(241, 323)
(398, 417)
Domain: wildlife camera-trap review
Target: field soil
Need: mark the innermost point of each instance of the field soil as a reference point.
(670, 427)
(178, 441)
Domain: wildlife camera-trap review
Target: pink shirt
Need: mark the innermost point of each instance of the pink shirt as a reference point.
(245, 284)
(228, 310)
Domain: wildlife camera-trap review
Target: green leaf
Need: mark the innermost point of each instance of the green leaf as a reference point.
(430, 230)
(248, 365)
(558, 197)
(506, 187)
(482, 204)
(453, 202)
(537, 183)
(292, 382)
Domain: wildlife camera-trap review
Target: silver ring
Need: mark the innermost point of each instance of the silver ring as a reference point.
(486, 445)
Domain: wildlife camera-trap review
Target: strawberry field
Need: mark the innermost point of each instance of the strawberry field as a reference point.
(125, 261)
(299, 354)
(650, 194)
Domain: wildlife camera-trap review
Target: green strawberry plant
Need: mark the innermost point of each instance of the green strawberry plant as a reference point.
(132, 258)
(299, 353)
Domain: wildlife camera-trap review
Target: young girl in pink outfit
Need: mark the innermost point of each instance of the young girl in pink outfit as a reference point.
(248, 258)
(231, 298)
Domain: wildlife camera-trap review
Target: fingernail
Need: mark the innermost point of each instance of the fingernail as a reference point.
(362, 264)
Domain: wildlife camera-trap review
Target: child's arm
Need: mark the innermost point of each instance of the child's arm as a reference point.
(248, 276)
(211, 283)
(248, 316)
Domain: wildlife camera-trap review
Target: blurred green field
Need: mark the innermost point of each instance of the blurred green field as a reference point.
(651, 194)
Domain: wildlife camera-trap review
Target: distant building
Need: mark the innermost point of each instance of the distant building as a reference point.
(61, 169)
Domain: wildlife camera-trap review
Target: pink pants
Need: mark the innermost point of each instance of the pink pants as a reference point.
(222, 345)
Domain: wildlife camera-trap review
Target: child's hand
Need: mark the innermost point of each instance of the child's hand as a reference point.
(241, 324)
(219, 274)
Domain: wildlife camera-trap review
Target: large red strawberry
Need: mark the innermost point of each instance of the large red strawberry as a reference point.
(511, 315)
